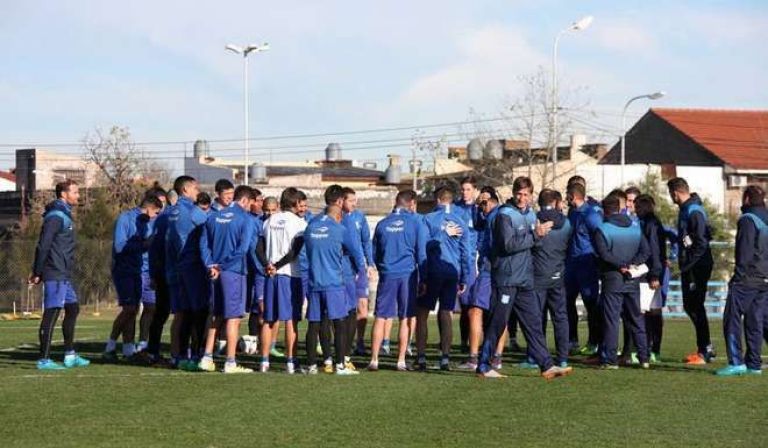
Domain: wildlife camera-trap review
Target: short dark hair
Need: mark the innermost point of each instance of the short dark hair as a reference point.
(243, 191)
(348, 191)
(521, 183)
(645, 205)
(755, 194)
(256, 191)
(619, 193)
(63, 187)
(203, 198)
(223, 185)
(300, 196)
(611, 205)
(548, 197)
(156, 191)
(469, 180)
(444, 193)
(181, 182)
(494, 195)
(404, 197)
(678, 184)
(576, 190)
(633, 190)
(333, 193)
(289, 198)
(151, 201)
(577, 180)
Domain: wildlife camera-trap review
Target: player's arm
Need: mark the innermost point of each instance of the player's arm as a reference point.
(603, 251)
(511, 240)
(293, 252)
(122, 241)
(654, 267)
(422, 236)
(365, 240)
(746, 233)
(353, 248)
(51, 227)
(697, 231)
(643, 252)
(465, 255)
(205, 248)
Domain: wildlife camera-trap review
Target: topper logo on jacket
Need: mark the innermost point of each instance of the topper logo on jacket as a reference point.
(396, 226)
(320, 232)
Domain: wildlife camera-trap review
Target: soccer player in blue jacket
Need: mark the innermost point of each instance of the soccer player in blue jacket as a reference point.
(581, 273)
(696, 263)
(363, 233)
(156, 259)
(748, 288)
(224, 246)
(326, 240)
(515, 230)
(468, 208)
(225, 194)
(256, 267)
(54, 261)
(399, 251)
(448, 265)
(185, 274)
(620, 246)
(549, 254)
(131, 240)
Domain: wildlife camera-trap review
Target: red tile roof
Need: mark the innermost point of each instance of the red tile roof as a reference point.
(7, 176)
(737, 137)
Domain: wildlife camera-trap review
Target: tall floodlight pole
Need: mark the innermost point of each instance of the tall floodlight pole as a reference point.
(245, 51)
(650, 96)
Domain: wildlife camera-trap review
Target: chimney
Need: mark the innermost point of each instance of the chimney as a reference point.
(577, 142)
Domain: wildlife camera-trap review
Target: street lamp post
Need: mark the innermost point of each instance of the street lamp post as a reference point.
(650, 96)
(581, 24)
(245, 51)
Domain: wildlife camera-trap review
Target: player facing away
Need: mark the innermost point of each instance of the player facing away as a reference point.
(362, 233)
(399, 251)
(325, 241)
(515, 231)
(467, 206)
(185, 275)
(748, 289)
(448, 265)
(224, 245)
(696, 263)
(132, 238)
(156, 256)
(478, 302)
(54, 261)
(620, 246)
(283, 295)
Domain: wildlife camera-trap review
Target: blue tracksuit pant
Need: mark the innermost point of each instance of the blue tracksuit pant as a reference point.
(612, 303)
(748, 304)
(552, 300)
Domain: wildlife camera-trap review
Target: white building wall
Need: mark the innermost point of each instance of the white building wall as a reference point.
(7, 185)
(707, 181)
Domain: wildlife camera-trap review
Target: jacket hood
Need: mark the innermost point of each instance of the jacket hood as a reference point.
(694, 199)
(553, 215)
(60, 205)
(619, 219)
(761, 211)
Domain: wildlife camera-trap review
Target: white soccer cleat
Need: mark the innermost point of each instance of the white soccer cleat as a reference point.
(234, 368)
(264, 368)
(206, 365)
(343, 371)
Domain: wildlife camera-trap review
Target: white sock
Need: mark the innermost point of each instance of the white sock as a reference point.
(111, 345)
(328, 361)
(129, 350)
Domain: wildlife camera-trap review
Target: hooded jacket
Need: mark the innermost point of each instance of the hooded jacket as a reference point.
(752, 248)
(55, 251)
(693, 234)
(619, 243)
(584, 220)
(550, 251)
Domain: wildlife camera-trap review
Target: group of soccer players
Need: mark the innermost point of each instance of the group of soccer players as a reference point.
(499, 263)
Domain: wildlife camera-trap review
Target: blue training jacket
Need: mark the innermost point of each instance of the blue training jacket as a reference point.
(130, 243)
(485, 240)
(363, 232)
(584, 221)
(513, 238)
(619, 243)
(751, 256)
(182, 239)
(226, 238)
(447, 256)
(254, 265)
(326, 241)
(471, 213)
(550, 251)
(55, 251)
(156, 252)
(693, 234)
(400, 245)
(354, 251)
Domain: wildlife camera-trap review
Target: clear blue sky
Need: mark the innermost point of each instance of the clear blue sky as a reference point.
(160, 67)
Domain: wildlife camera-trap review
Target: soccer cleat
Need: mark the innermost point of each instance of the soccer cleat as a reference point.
(588, 350)
(645, 365)
(342, 370)
(469, 365)
(491, 374)
(563, 364)
(275, 353)
(409, 350)
(49, 364)
(373, 366)
(732, 370)
(349, 366)
(207, 365)
(264, 367)
(528, 365)
(234, 368)
(555, 371)
(328, 366)
(445, 364)
(754, 372)
(311, 370)
(75, 360)
(609, 367)
(385, 349)
(420, 365)
(290, 368)
(496, 363)
(655, 358)
(109, 356)
(402, 367)
(697, 360)
(633, 359)
(319, 349)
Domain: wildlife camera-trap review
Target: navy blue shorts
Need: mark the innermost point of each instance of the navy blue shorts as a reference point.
(148, 296)
(444, 290)
(228, 294)
(481, 292)
(331, 303)
(128, 288)
(350, 286)
(395, 297)
(283, 298)
(191, 292)
(361, 285)
(57, 293)
(466, 298)
(257, 293)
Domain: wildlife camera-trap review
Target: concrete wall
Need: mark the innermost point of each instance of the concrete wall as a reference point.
(7, 185)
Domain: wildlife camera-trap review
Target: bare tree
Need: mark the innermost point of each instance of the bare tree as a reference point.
(123, 167)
